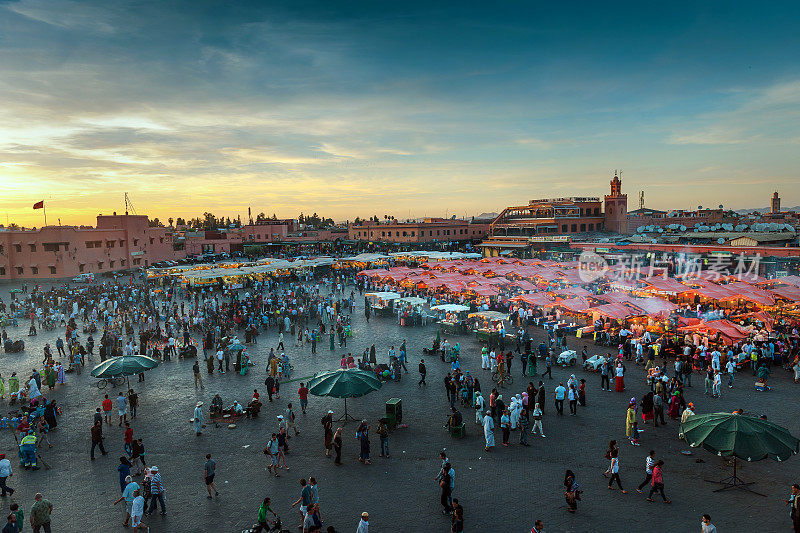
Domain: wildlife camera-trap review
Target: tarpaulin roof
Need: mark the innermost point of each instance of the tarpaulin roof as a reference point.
(573, 291)
(752, 293)
(539, 299)
(787, 292)
(615, 311)
(575, 304)
(662, 284)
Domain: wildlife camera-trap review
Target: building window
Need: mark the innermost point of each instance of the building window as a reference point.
(99, 265)
(610, 210)
(437, 232)
(109, 244)
(2, 271)
(111, 264)
(1, 248)
(599, 226)
(574, 228)
(396, 233)
(34, 270)
(404, 234)
(413, 233)
(50, 246)
(591, 227)
(137, 261)
(597, 211)
(121, 243)
(430, 233)
(19, 271)
(583, 227)
(17, 247)
(136, 242)
(161, 240)
(383, 234)
(122, 262)
(52, 270)
(152, 240)
(81, 267)
(33, 247)
(563, 228)
(93, 244)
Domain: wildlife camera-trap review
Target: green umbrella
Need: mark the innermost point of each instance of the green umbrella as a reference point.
(124, 365)
(344, 383)
(740, 436)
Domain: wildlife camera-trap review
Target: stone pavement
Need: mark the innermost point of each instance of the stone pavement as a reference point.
(505, 490)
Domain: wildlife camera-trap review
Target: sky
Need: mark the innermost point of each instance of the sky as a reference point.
(408, 109)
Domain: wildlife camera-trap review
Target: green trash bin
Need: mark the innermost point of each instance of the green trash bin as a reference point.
(394, 412)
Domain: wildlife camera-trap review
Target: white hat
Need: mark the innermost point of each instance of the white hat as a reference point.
(199, 404)
(330, 412)
(280, 417)
(154, 469)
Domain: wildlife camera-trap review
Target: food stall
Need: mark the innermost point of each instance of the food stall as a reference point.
(487, 325)
(381, 302)
(410, 310)
(452, 318)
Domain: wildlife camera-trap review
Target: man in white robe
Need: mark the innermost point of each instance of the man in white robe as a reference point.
(488, 430)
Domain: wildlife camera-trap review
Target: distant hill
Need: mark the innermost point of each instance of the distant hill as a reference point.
(487, 216)
(765, 210)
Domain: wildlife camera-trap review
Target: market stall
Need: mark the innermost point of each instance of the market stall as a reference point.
(381, 302)
(452, 318)
(488, 325)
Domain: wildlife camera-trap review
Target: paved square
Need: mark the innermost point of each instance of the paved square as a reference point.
(503, 491)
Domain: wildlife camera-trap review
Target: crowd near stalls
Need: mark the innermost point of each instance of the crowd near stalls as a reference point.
(743, 317)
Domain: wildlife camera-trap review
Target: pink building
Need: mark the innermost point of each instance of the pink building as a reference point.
(212, 242)
(429, 230)
(118, 242)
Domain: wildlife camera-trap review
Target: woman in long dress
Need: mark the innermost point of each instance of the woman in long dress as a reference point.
(479, 405)
(488, 431)
(198, 418)
(630, 418)
(619, 381)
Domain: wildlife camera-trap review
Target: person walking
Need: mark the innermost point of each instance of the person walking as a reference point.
(649, 463)
(137, 511)
(524, 424)
(363, 524)
(505, 426)
(5, 473)
(209, 471)
(337, 446)
(302, 392)
(128, 494)
(122, 408)
(422, 373)
(444, 483)
(40, 514)
(107, 406)
(537, 421)
(614, 470)
(199, 419)
(198, 378)
(327, 425)
(304, 500)
(706, 526)
(156, 492)
(271, 450)
(571, 491)
(97, 439)
(488, 430)
(383, 433)
(560, 394)
(657, 483)
(362, 434)
(548, 364)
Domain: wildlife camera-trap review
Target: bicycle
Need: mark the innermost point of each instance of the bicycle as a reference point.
(508, 379)
(114, 382)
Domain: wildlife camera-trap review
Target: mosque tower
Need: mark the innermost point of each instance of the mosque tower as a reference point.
(616, 207)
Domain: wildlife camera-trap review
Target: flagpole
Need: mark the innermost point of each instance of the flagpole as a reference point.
(44, 208)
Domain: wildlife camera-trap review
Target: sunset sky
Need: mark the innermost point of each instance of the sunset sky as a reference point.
(399, 108)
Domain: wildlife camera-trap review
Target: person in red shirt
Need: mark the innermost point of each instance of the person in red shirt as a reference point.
(128, 439)
(255, 394)
(107, 406)
(303, 393)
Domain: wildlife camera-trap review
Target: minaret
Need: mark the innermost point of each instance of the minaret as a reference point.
(776, 203)
(616, 207)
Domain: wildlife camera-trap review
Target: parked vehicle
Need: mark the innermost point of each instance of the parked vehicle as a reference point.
(593, 363)
(83, 278)
(567, 358)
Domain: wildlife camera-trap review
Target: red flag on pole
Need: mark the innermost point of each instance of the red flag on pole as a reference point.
(39, 205)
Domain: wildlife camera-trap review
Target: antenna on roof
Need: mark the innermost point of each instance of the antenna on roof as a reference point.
(641, 199)
(129, 205)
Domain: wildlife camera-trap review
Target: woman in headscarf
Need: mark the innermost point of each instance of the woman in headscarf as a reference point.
(675, 405)
(61, 376)
(488, 431)
(50, 412)
(630, 418)
(50, 377)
